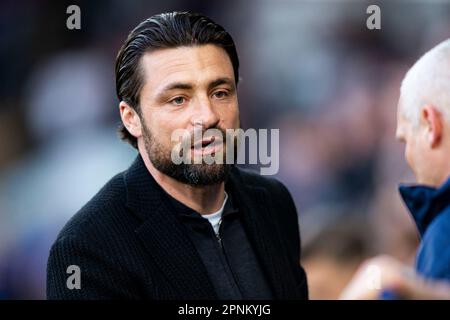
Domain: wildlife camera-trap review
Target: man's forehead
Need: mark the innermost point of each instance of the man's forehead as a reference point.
(403, 123)
(185, 64)
(401, 105)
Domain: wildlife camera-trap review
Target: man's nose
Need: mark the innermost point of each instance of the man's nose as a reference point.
(205, 114)
(399, 135)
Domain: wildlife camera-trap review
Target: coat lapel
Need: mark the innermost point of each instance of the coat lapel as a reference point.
(253, 202)
(164, 236)
(166, 240)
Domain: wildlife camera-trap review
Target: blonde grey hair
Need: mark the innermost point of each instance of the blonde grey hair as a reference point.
(427, 82)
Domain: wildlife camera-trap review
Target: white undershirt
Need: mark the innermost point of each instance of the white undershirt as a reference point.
(215, 217)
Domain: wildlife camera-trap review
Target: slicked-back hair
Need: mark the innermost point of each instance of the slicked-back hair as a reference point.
(165, 30)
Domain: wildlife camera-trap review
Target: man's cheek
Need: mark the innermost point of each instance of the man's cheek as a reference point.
(234, 119)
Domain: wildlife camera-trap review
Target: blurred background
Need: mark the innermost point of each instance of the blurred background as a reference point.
(309, 68)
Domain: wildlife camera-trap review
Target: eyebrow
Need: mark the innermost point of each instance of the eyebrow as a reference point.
(188, 86)
(220, 81)
(177, 85)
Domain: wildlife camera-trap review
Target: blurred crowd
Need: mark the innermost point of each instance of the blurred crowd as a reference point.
(309, 68)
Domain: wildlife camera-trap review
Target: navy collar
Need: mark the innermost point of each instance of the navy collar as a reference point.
(425, 203)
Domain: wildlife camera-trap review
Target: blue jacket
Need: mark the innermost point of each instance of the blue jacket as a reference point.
(430, 208)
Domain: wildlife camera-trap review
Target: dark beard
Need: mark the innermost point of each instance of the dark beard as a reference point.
(192, 174)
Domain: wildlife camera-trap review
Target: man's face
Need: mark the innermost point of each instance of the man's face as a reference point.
(415, 146)
(185, 87)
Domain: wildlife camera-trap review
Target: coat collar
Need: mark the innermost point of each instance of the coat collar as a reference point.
(425, 203)
(148, 201)
(172, 253)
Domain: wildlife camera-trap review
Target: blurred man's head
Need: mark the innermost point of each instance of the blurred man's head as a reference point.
(177, 71)
(423, 120)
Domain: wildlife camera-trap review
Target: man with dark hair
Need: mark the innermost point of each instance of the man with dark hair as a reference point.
(166, 230)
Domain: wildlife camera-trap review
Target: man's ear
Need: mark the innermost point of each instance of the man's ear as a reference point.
(130, 119)
(433, 120)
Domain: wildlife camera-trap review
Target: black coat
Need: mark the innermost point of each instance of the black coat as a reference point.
(129, 245)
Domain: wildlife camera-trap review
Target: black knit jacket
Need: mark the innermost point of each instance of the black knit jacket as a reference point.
(129, 244)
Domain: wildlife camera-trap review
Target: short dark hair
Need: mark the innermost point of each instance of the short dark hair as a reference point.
(165, 30)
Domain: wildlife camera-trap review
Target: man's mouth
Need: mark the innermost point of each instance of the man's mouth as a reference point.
(203, 143)
(208, 145)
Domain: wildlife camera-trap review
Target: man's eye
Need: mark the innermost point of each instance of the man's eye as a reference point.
(178, 101)
(221, 94)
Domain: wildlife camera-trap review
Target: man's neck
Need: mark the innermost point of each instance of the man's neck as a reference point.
(203, 199)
